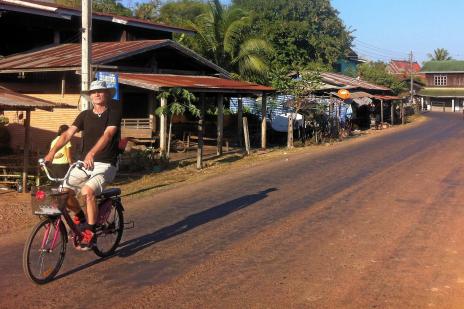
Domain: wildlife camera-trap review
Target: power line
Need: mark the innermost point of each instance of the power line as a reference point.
(380, 49)
(374, 54)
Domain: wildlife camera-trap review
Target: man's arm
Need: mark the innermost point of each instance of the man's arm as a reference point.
(99, 146)
(63, 140)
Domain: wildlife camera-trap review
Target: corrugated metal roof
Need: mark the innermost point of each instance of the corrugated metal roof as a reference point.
(10, 100)
(443, 66)
(201, 83)
(63, 12)
(442, 92)
(343, 80)
(69, 55)
(403, 66)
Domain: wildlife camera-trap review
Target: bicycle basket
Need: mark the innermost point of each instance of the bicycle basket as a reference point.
(48, 201)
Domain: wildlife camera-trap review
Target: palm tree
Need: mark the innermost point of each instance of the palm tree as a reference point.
(223, 36)
(440, 54)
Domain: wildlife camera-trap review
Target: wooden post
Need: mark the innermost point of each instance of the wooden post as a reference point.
(240, 121)
(452, 105)
(246, 135)
(86, 48)
(27, 125)
(381, 114)
(220, 124)
(151, 112)
(63, 84)
(290, 131)
(402, 113)
(56, 37)
(163, 127)
(201, 130)
(392, 108)
(263, 121)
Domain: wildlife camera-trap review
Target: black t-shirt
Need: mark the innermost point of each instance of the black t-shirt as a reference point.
(93, 127)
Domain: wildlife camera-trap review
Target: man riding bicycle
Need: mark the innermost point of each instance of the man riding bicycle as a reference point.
(100, 128)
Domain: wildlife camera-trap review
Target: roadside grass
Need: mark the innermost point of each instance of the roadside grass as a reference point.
(136, 185)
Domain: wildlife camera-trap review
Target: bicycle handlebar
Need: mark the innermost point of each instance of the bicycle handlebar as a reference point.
(79, 164)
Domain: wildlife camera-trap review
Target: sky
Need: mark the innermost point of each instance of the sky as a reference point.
(390, 29)
(386, 29)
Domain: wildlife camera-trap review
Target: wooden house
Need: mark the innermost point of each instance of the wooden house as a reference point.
(444, 90)
(25, 25)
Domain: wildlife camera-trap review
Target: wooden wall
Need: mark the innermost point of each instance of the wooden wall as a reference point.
(44, 124)
(453, 80)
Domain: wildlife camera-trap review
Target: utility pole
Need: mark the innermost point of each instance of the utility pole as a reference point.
(411, 79)
(86, 42)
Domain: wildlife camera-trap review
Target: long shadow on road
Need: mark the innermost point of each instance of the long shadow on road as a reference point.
(135, 245)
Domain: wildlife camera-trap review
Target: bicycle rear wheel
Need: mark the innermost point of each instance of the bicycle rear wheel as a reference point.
(109, 234)
(44, 251)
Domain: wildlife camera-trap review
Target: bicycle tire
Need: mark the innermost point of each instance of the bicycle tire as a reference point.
(28, 250)
(102, 231)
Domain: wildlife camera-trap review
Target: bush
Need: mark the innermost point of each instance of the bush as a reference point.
(137, 160)
(4, 120)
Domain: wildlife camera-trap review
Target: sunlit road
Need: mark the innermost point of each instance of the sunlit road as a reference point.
(374, 223)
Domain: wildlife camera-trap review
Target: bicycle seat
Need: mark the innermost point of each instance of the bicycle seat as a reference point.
(109, 193)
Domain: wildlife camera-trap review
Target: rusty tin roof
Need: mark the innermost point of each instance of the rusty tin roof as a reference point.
(63, 12)
(350, 82)
(158, 82)
(69, 55)
(10, 100)
(65, 57)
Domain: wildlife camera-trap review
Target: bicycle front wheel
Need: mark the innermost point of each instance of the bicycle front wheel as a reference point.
(44, 251)
(109, 234)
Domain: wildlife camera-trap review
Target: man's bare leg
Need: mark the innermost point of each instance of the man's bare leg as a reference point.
(72, 202)
(91, 204)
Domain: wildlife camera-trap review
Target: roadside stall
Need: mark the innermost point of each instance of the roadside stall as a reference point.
(13, 101)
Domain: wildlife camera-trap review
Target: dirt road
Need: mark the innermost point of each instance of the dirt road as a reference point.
(374, 224)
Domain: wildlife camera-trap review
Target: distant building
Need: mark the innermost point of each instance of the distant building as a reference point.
(402, 68)
(348, 65)
(444, 90)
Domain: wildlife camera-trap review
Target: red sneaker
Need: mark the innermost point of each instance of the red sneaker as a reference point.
(87, 240)
(76, 220)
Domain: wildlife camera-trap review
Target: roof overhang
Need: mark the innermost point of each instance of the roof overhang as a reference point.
(104, 53)
(61, 12)
(13, 101)
(442, 92)
(203, 84)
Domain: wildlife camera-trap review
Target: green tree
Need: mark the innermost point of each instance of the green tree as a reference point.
(376, 72)
(440, 54)
(103, 6)
(181, 13)
(300, 31)
(111, 6)
(299, 85)
(179, 100)
(223, 36)
(148, 10)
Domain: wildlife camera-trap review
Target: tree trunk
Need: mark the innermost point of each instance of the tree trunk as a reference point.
(290, 131)
(168, 152)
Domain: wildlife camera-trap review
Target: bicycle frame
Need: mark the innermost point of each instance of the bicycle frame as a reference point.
(64, 213)
(55, 236)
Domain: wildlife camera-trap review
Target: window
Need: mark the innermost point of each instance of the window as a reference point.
(440, 80)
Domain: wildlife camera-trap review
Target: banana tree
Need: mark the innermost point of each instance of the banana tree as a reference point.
(178, 100)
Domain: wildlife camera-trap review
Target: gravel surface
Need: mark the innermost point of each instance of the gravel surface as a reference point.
(15, 212)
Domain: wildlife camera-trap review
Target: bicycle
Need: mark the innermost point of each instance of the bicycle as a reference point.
(45, 248)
